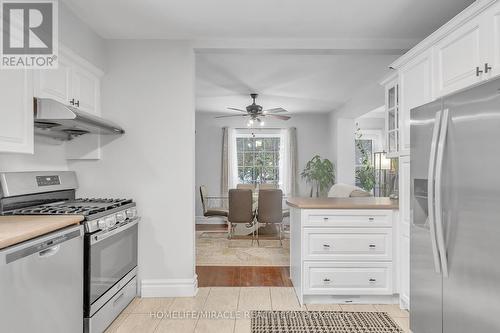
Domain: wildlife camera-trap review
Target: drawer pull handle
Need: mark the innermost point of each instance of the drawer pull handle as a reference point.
(372, 246)
(326, 246)
(371, 219)
(373, 280)
(326, 280)
(325, 219)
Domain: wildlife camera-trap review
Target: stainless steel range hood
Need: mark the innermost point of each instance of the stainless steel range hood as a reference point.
(63, 122)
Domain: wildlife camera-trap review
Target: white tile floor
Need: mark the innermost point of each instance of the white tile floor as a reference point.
(137, 316)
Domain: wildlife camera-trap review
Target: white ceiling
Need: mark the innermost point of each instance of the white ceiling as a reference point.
(298, 83)
(266, 18)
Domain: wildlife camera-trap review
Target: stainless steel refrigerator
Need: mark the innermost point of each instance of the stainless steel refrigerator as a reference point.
(455, 230)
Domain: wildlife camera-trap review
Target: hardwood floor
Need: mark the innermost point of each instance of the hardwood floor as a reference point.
(211, 227)
(243, 276)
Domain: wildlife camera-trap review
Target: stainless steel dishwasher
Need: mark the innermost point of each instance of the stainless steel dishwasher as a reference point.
(41, 284)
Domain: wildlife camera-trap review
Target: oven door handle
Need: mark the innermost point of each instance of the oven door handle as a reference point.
(100, 236)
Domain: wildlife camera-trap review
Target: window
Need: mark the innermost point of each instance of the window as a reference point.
(258, 159)
(368, 146)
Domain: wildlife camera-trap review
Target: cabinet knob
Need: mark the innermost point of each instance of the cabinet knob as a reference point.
(487, 68)
(72, 101)
(77, 103)
(478, 71)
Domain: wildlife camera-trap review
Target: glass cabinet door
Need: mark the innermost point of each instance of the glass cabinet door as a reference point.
(392, 107)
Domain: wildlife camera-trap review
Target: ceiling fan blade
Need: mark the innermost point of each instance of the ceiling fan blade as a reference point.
(279, 116)
(235, 109)
(275, 110)
(233, 115)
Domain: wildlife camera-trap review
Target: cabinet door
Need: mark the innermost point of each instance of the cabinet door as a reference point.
(404, 231)
(16, 111)
(493, 22)
(392, 117)
(458, 55)
(86, 90)
(416, 90)
(54, 83)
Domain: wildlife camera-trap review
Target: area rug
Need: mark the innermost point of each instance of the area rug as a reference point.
(322, 322)
(214, 249)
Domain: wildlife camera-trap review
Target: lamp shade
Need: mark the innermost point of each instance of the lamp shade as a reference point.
(382, 162)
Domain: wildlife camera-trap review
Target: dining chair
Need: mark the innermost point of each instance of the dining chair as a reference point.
(240, 209)
(246, 187)
(270, 210)
(210, 211)
(268, 186)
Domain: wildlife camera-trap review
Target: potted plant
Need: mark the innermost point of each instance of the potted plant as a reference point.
(320, 174)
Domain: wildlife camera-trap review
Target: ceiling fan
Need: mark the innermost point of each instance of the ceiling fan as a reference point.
(257, 113)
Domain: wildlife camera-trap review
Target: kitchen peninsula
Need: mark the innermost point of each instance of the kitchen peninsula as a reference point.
(344, 250)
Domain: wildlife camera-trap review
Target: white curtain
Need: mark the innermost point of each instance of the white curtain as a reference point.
(288, 161)
(232, 175)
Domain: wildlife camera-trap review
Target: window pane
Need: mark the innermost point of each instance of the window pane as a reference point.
(258, 159)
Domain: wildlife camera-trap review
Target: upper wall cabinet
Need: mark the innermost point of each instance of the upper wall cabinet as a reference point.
(54, 83)
(460, 57)
(416, 89)
(16, 111)
(70, 84)
(392, 109)
(493, 26)
(86, 90)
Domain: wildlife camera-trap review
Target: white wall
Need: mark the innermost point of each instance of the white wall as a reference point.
(149, 90)
(77, 36)
(312, 138)
(342, 124)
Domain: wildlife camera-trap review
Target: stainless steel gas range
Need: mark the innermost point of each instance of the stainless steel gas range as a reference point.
(110, 242)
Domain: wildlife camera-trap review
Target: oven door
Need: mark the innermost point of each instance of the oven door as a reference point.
(109, 256)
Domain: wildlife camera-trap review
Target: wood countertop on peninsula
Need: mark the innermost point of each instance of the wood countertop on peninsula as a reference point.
(343, 203)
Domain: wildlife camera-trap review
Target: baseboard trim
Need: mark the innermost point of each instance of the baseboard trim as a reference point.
(169, 287)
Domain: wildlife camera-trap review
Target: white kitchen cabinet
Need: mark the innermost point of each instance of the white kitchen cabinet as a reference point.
(71, 84)
(493, 27)
(343, 255)
(86, 88)
(460, 57)
(404, 231)
(392, 109)
(54, 83)
(415, 89)
(16, 111)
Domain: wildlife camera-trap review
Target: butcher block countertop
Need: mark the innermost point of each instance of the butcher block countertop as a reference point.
(17, 229)
(343, 203)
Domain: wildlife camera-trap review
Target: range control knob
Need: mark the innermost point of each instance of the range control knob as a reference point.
(131, 213)
(121, 217)
(110, 221)
(101, 224)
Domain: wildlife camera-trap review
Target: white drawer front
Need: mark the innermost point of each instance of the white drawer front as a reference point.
(348, 279)
(367, 244)
(339, 218)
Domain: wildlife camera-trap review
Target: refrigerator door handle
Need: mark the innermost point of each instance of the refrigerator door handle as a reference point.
(438, 194)
(430, 192)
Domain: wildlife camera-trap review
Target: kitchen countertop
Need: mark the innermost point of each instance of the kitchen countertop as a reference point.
(17, 229)
(343, 203)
